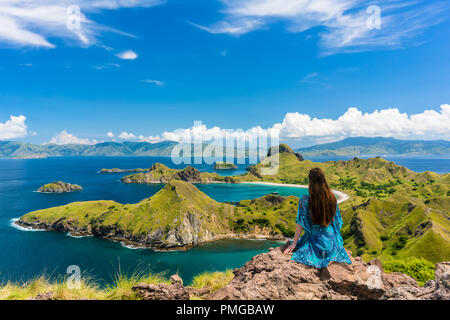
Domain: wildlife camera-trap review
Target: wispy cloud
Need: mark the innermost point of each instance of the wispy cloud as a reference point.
(13, 128)
(346, 25)
(65, 137)
(107, 66)
(310, 76)
(155, 82)
(34, 22)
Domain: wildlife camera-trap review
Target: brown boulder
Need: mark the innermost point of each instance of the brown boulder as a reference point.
(44, 296)
(161, 291)
(175, 279)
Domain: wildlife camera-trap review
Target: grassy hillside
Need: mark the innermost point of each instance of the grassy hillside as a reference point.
(393, 211)
(121, 289)
(399, 226)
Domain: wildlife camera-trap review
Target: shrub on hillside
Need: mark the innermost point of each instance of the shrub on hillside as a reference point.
(420, 269)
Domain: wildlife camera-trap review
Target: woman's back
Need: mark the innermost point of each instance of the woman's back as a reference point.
(319, 245)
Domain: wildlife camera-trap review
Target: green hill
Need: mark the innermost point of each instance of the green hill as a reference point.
(399, 226)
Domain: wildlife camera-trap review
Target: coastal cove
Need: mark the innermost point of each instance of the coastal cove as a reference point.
(28, 254)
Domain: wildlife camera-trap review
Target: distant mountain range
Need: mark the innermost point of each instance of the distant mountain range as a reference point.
(21, 150)
(28, 150)
(347, 147)
(378, 146)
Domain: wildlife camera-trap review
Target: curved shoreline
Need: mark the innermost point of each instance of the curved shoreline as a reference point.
(341, 195)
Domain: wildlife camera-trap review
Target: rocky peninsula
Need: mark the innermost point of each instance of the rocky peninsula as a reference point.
(59, 187)
(160, 173)
(179, 216)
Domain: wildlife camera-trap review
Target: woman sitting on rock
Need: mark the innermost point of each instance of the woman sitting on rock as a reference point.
(320, 218)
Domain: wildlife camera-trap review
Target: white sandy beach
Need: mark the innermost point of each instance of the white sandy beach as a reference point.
(341, 195)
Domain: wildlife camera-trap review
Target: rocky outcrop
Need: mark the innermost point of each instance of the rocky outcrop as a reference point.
(189, 174)
(163, 291)
(173, 291)
(59, 187)
(275, 276)
(284, 148)
(44, 296)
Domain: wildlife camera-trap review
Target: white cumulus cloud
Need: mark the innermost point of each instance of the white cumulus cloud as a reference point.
(128, 55)
(428, 125)
(67, 138)
(127, 136)
(110, 134)
(13, 128)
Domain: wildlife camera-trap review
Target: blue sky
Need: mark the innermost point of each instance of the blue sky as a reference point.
(149, 67)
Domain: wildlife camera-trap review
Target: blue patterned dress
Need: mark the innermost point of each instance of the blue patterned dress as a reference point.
(319, 245)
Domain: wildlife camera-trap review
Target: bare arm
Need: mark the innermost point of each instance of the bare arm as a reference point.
(298, 232)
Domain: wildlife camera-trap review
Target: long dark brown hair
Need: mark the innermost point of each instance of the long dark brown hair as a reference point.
(322, 202)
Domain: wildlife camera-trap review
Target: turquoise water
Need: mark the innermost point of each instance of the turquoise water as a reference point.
(26, 254)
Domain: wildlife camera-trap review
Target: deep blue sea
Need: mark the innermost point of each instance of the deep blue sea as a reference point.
(27, 254)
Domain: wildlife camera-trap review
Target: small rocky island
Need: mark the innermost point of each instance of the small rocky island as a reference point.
(117, 170)
(59, 187)
(224, 166)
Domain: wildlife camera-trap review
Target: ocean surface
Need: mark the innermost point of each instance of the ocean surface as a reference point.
(27, 254)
